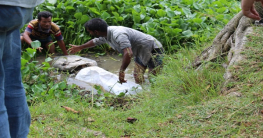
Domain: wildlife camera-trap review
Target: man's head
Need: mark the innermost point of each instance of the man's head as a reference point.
(96, 27)
(44, 19)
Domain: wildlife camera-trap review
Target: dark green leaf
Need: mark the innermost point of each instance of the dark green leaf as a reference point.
(94, 11)
(187, 33)
(78, 15)
(84, 19)
(68, 8)
(161, 13)
(62, 85)
(23, 62)
(105, 15)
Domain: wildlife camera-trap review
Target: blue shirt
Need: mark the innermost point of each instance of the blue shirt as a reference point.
(21, 3)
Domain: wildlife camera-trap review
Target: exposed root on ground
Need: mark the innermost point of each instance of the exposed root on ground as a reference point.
(229, 41)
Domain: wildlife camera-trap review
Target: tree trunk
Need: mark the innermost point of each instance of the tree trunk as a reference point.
(229, 41)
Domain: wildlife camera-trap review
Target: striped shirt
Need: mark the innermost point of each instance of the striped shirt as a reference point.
(35, 29)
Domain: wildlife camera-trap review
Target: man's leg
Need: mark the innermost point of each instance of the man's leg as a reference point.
(156, 62)
(138, 73)
(10, 64)
(154, 65)
(4, 124)
(15, 96)
(50, 47)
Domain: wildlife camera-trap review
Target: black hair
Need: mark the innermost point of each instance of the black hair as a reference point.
(44, 14)
(96, 24)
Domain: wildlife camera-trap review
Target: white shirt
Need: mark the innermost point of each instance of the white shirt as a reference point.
(119, 37)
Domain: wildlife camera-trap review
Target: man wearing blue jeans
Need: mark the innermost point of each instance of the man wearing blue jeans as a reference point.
(14, 112)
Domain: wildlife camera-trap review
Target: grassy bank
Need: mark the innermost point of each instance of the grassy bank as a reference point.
(182, 102)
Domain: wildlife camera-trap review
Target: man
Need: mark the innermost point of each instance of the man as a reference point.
(147, 51)
(40, 29)
(14, 112)
(249, 10)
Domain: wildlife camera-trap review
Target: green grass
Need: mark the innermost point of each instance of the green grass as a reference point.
(182, 102)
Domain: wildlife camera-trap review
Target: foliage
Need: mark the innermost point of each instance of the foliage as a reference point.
(35, 44)
(40, 80)
(175, 23)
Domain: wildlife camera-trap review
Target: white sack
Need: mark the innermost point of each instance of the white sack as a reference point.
(98, 76)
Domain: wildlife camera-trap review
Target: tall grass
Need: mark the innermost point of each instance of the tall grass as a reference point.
(177, 88)
(179, 79)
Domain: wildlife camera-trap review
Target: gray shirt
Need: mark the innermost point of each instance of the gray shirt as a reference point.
(119, 37)
(22, 3)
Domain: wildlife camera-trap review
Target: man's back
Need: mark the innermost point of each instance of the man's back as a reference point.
(119, 37)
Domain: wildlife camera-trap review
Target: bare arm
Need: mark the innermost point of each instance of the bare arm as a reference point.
(126, 60)
(27, 39)
(62, 47)
(76, 48)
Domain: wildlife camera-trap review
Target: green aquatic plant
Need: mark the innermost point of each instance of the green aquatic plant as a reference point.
(176, 23)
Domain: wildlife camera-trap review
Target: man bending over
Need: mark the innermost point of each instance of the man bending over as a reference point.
(146, 50)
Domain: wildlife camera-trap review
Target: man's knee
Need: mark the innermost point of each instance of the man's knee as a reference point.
(51, 47)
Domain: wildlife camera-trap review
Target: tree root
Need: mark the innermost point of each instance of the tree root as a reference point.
(229, 41)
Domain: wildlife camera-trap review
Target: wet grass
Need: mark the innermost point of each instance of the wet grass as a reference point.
(182, 102)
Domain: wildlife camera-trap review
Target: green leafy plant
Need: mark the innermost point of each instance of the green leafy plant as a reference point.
(176, 23)
(40, 80)
(35, 44)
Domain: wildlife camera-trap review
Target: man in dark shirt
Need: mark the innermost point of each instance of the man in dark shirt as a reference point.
(40, 29)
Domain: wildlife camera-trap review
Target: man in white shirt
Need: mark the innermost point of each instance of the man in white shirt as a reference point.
(14, 112)
(146, 50)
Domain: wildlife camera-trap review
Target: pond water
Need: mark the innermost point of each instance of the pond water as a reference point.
(112, 63)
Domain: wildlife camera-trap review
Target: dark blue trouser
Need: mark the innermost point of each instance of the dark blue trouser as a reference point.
(14, 112)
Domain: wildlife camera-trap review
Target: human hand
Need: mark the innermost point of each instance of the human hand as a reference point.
(39, 49)
(249, 10)
(74, 49)
(121, 77)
